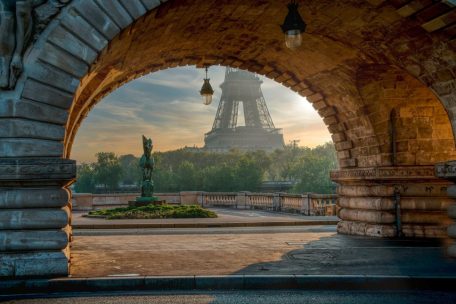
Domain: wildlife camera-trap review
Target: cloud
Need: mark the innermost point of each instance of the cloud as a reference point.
(167, 107)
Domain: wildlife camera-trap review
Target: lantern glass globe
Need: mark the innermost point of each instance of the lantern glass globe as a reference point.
(206, 90)
(293, 39)
(207, 99)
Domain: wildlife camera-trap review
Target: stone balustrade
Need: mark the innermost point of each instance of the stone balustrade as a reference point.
(89, 201)
(262, 201)
(220, 199)
(308, 204)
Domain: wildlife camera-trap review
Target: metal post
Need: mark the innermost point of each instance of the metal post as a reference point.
(397, 203)
(309, 203)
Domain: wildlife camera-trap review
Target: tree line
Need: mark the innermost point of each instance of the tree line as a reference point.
(197, 170)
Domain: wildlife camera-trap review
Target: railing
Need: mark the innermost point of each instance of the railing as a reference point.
(291, 203)
(307, 204)
(261, 201)
(323, 204)
(219, 199)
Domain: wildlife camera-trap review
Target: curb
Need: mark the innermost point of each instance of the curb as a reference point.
(202, 225)
(231, 282)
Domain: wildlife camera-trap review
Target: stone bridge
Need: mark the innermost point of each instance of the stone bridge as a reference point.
(381, 73)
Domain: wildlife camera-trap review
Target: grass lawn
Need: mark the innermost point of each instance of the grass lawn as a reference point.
(154, 212)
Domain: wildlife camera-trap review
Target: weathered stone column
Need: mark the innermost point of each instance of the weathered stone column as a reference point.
(35, 216)
(448, 171)
(405, 201)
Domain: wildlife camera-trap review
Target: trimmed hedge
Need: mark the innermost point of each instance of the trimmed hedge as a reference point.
(154, 212)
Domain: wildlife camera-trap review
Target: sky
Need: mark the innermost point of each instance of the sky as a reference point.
(167, 107)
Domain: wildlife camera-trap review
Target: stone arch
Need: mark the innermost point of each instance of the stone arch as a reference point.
(101, 21)
(65, 56)
(87, 51)
(407, 111)
(328, 112)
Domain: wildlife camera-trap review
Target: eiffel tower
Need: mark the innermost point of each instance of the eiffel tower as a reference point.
(259, 132)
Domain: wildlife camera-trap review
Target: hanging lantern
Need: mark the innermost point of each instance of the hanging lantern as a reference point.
(206, 91)
(293, 26)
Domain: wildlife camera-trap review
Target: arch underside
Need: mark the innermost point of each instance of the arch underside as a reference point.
(335, 68)
(94, 47)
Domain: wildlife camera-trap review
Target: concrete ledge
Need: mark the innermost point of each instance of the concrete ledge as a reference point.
(171, 283)
(235, 282)
(202, 225)
(271, 282)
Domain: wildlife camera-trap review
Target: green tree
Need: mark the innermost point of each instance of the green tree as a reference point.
(282, 162)
(182, 170)
(312, 170)
(219, 178)
(107, 170)
(85, 179)
(248, 174)
(164, 180)
(186, 175)
(131, 172)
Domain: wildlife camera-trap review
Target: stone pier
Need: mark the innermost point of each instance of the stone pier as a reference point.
(35, 216)
(448, 171)
(407, 201)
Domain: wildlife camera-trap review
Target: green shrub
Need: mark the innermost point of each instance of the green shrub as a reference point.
(155, 212)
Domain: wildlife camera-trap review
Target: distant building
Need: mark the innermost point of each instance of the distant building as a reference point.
(259, 132)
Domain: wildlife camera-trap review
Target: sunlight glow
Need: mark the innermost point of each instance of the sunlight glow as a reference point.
(167, 106)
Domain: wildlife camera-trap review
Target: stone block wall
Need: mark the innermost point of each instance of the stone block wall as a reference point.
(35, 226)
(393, 202)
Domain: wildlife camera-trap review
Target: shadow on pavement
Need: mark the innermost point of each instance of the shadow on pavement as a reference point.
(352, 255)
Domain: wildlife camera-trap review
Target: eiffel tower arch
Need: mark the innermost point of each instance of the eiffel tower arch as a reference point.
(242, 88)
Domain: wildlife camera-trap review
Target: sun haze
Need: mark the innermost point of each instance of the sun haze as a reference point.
(166, 106)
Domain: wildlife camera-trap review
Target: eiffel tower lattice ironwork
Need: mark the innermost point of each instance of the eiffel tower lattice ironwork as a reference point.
(259, 132)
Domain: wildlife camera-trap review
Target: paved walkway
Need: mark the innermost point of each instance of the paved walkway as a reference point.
(180, 254)
(305, 250)
(226, 218)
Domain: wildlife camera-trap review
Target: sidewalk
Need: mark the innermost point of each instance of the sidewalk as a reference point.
(304, 261)
(306, 250)
(298, 257)
(295, 248)
(226, 218)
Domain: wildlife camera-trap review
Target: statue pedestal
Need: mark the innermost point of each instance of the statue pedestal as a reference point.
(144, 201)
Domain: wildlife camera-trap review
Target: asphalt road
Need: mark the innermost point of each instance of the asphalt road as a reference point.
(251, 297)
